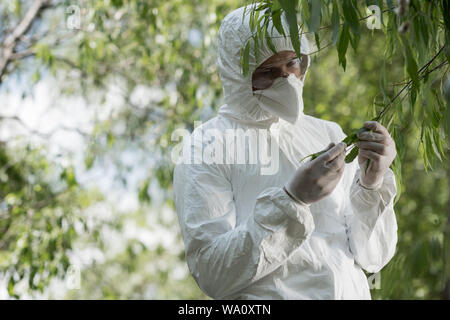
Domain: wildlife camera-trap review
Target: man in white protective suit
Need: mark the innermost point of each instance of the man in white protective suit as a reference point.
(303, 231)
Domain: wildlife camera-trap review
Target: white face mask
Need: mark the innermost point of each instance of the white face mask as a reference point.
(283, 99)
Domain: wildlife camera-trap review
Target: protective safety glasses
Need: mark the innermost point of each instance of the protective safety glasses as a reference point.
(264, 76)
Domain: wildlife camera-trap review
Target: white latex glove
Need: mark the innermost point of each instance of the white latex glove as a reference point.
(318, 178)
(379, 147)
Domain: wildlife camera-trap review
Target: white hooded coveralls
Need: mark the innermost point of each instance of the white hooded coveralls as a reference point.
(245, 238)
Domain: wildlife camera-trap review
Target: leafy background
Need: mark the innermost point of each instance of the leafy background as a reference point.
(86, 117)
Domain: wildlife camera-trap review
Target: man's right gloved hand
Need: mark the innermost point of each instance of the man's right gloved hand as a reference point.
(318, 178)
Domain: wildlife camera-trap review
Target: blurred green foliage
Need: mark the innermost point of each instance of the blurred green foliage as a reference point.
(40, 207)
(167, 50)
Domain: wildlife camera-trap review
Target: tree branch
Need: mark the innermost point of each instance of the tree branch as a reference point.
(424, 67)
(329, 26)
(11, 41)
(22, 54)
(41, 134)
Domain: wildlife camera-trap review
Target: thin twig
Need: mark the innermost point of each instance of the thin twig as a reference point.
(329, 26)
(386, 107)
(41, 134)
(320, 49)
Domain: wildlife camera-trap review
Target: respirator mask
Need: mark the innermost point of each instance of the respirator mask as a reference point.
(283, 98)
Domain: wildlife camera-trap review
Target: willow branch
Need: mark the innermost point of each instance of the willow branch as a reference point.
(424, 67)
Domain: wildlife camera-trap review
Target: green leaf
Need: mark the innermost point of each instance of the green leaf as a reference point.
(89, 160)
(315, 17)
(17, 7)
(429, 146)
(245, 59)
(243, 15)
(256, 19)
(317, 40)
(11, 286)
(110, 138)
(424, 32)
(276, 5)
(351, 16)
(391, 35)
(68, 174)
(335, 25)
(262, 6)
(256, 48)
(424, 156)
(343, 45)
(397, 169)
(259, 33)
(435, 116)
(383, 81)
(276, 19)
(432, 143)
(251, 22)
(352, 155)
(437, 140)
(367, 166)
(364, 129)
(290, 9)
(36, 76)
(143, 194)
(413, 98)
(270, 43)
(411, 65)
(350, 139)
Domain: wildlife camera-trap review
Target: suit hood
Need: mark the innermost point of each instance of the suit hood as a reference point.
(240, 104)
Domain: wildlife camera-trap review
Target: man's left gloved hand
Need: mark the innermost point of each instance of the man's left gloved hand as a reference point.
(378, 146)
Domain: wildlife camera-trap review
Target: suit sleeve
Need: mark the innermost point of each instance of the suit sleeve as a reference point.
(223, 257)
(371, 222)
(370, 217)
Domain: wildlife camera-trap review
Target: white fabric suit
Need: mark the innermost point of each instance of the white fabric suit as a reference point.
(245, 237)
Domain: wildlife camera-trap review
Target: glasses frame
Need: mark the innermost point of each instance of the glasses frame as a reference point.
(270, 78)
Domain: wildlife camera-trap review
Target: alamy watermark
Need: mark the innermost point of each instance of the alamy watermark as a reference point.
(231, 146)
(374, 281)
(73, 278)
(374, 21)
(73, 20)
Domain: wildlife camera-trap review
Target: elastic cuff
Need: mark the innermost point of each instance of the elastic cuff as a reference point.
(370, 204)
(294, 197)
(377, 186)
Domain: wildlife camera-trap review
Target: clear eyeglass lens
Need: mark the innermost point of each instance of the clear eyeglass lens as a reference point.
(265, 77)
(294, 64)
